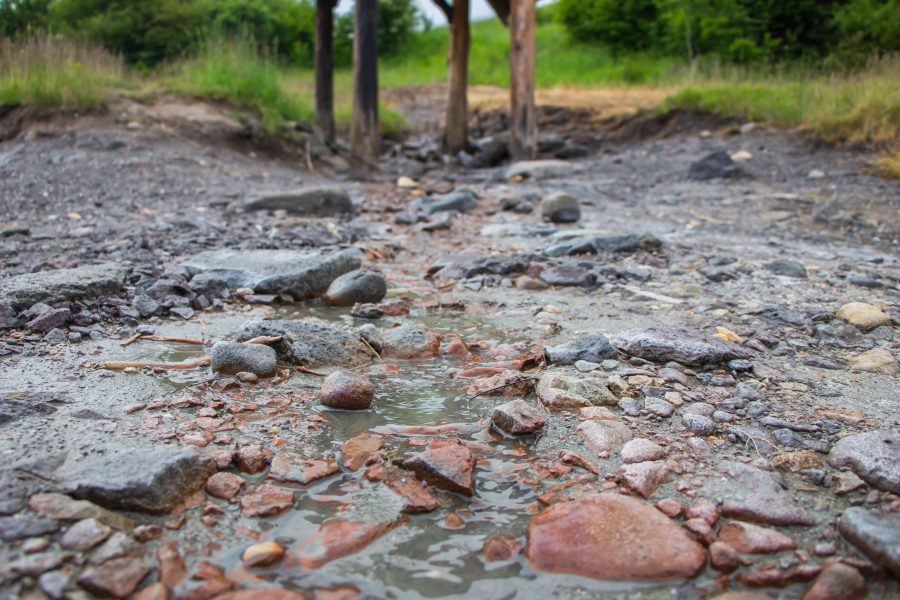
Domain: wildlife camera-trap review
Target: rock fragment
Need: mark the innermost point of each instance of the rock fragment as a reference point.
(232, 358)
(309, 202)
(864, 316)
(450, 467)
(356, 287)
(876, 535)
(517, 417)
(688, 347)
(346, 390)
(874, 456)
(560, 208)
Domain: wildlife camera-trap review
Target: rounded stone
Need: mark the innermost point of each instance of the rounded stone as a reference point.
(356, 287)
(343, 389)
(862, 315)
(698, 424)
(232, 358)
(560, 208)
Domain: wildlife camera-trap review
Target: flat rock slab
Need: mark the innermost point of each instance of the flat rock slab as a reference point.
(22, 291)
(152, 480)
(755, 496)
(301, 273)
(874, 456)
(449, 467)
(686, 346)
(612, 537)
(310, 202)
(876, 535)
(311, 342)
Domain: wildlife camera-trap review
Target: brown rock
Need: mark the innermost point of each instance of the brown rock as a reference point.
(290, 468)
(797, 461)
(742, 596)
(646, 477)
(837, 581)
(772, 576)
(359, 448)
(703, 509)
(416, 496)
(263, 554)
(753, 539)
(343, 389)
(612, 537)
(724, 558)
(450, 467)
(862, 315)
(670, 507)
(262, 594)
(66, 508)
(222, 457)
(224, 485)
(701, 529)
(252, 458)
(118, 545)
(500, 548)
(266, 500)
(154, 591)
(84, 535)
(117, 578)
(172, 570)
(603, 436)
(337, 538)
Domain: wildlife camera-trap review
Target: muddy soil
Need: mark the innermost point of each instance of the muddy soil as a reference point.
(769, 255)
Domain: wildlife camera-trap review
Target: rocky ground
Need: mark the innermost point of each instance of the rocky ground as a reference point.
(658, 363)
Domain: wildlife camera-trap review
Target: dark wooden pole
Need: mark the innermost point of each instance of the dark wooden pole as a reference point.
(365, 142)
(456, 134)
(325, 68)
(523, 118)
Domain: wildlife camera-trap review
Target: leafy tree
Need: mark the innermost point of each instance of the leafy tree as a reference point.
(623, 25)
(21, 16)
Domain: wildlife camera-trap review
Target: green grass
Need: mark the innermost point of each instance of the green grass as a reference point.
(54, 71)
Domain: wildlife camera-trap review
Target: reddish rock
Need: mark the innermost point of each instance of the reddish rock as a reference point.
(772, 576)
(84, 535)
(450, 467)
(703, 509)
(213, 583)
(645, 477)
(837, 581)
(416, 496)
(337, 538)
(252, 458)
(511, 384)
(343, 389)
(172, 569)
(670, 506)
(224, 485)
(154, 591)
(517, 417)
(757, 497)
(577, 460)
(266, 500)
(222, 457)
(290, 468)
(604, 436)
(115, 578)
(501, 548)
(753, 539)
(262, 594)
(117, 545)
(359, 448)
(612, 537)
(641, 450)
(701, 529)
(724, 558)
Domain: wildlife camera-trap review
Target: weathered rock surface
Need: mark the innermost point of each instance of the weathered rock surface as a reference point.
(300, 273)
(266, 500)
(115, 578)
(645, 477)
(715, 165)
(557, 391)
(604, 436)
(604, 244)
(755, 496)
(356, 287)
(153, 480)
(837, 581)
(517, 417)
(787, 268)
(864, 316)
(291, 468)
(612, 537)
(640, 450)
(84, 535)
(410, 341)
(876, 535)
(874, 456)
(458, 200)
(686, 346)
(224, 485)
(311, 342)
(591, 348)
(344, 389)
(309, 202)
(232, 358)
(357, 450)
(746, 537)
(22, 291)
(560, 208)
(539, 169)
(877, 360)
(336, 538)
(450, 467)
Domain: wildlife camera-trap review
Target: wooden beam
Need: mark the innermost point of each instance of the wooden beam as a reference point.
(365, 141)
(501, 7)
(523, 118)
(324, 63)
(445, 8)
(456, 133)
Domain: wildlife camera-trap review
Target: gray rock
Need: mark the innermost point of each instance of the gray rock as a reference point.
(755, 496)
(53, 318)
(715, 165)
(459, 201)
(605, 244)
(698, 424)
(302, 274)
(22, 291)
(356, 287)
(686, 346)
(13, 410)
(641, 450)
(568, 275)
(232, 358)
(517, 417)
(788, 268)
(718, 274)
(604, 436)
(874, 456)
(876, 535)
(591, 348)
(658, 407)
(145, 305)
(153, 480)
(539, 169)
(410, 341)
(18, 527)
(54, 583)
(209, 285)
(310, 202)
(560, 208)
(311, 342)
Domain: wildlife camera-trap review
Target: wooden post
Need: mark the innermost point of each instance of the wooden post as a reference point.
(523, 118)
(365, 142)
(324, 59)
(456, 133)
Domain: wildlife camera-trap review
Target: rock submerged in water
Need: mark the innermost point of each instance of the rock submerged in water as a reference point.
(23, 291)
(301, 273)
(363, 287)
(590, 348)
(874, 456)
(311, 202)
(232, 358)
(612, 537)
(343, 389)
(560, 208)
(686, 346)
(311, 342)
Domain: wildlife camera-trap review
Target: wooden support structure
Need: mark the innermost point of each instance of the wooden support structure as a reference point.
(324, 64)
(456, 132)
(523, 117)
(365, 141)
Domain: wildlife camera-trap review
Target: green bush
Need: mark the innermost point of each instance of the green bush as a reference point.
(623, 25)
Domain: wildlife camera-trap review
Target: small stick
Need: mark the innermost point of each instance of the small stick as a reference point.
(265, 340)
(157, 338)
(369, 346)
(132, 339)
(203, 361)
(310, 371)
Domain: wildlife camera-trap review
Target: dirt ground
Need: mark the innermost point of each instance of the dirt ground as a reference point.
(148, 186)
